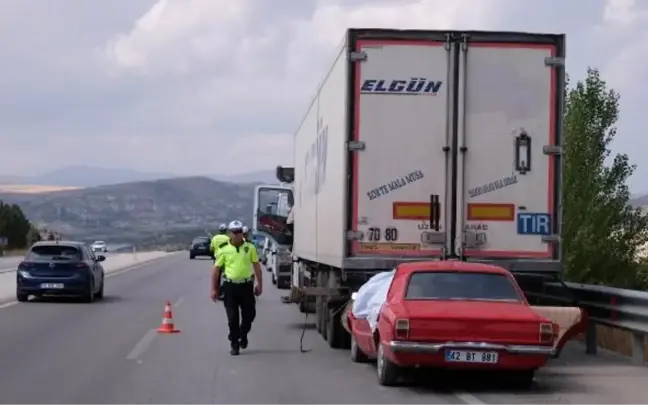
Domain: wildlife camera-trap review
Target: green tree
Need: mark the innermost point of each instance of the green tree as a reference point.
(601, 231)
(14, 226)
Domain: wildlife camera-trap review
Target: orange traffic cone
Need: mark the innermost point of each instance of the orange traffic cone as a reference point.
(167, 321)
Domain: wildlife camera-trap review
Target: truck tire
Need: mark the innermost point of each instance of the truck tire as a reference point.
(324, 318)
(334, 329)
(318, 315)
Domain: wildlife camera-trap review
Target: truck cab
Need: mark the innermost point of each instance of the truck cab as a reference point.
(272, 205)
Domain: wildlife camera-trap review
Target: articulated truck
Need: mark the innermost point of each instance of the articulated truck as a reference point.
(423, 145)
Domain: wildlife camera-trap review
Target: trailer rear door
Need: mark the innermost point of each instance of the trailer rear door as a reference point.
(508, 171)
(401, 116)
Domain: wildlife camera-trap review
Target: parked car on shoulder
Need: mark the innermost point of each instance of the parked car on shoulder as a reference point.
(455, 315)
(200, 247)
(60, 268)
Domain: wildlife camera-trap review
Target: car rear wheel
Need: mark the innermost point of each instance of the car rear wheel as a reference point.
(191, 257)
(357, 355)
(89, 295)
(100, 293)
(388, 372)
(21, 297)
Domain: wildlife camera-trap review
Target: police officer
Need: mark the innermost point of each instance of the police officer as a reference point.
(218, 239)
(236, 259)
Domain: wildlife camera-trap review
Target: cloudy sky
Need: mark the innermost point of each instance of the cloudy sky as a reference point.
(199, 86)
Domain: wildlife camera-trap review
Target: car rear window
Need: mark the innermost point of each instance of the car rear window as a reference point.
(438, 285)
(201, 240)
(54, 252)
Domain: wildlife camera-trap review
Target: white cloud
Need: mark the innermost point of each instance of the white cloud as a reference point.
(195, 86)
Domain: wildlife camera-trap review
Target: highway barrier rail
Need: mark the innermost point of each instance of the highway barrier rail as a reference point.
(608, 306)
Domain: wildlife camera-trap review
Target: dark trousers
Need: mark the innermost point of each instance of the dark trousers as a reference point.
(239, 297)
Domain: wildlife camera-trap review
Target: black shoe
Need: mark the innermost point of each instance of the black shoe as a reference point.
(235, 351)
(243, 343)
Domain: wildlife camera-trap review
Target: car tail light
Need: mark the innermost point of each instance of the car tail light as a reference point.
(81, 265)
(546, 333)
(25, 265)
(402, 328)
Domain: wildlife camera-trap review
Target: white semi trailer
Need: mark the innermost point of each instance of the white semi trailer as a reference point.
(423, 145)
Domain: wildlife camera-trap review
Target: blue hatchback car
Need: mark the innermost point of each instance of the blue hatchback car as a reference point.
(60, 268)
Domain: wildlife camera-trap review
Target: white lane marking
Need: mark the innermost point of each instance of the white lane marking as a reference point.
(8, 304)
(469, 399)
(127, 269)
(108, 275)
(142, 345)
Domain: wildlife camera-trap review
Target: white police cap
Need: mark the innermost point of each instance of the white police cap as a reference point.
(245, 229)
(234, 225)
(222, 227)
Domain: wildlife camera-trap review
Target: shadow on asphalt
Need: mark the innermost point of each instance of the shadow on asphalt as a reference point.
(445, 381)
(74, 300)
(301, 325)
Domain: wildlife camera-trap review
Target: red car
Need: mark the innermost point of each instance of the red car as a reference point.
(460, 315)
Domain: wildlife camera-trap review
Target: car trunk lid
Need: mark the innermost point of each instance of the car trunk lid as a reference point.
(476, 321)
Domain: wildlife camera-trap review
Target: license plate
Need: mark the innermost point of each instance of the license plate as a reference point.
(466, 356)
(51, 286)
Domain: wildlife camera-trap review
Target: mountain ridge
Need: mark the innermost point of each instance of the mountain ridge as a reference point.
(91, 176)
(139, 211)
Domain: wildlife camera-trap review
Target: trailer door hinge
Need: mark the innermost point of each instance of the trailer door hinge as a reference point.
(355, 56)
(354, 235)
(554, 61)
(552, 150)
(356, 145)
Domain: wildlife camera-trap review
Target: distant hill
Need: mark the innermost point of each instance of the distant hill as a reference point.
(132, 212)
(639, 200)
(88, 176)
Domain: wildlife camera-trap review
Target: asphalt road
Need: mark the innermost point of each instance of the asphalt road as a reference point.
(106, 352)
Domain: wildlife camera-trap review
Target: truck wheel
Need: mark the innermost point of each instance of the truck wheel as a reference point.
(319, 315)
(333, 329)
(283, 283)
(303, 305)
(388, 372)
(325, 316)
(357, 355)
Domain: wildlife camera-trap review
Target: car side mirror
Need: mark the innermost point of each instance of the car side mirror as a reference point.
(101, 258)
(354, 296)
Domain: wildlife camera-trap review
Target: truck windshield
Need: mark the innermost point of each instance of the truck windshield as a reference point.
(272, 215)
(438, 285)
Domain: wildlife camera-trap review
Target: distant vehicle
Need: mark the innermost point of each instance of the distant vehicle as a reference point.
(455, 315)
(200, 247)
(99, 246)
(60, 268)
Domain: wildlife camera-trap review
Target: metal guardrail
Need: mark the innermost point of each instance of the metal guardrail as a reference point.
(613, 307)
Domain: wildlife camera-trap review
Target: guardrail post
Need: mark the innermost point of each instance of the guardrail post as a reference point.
(590, 339)
(134, 253)
(638, 347)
